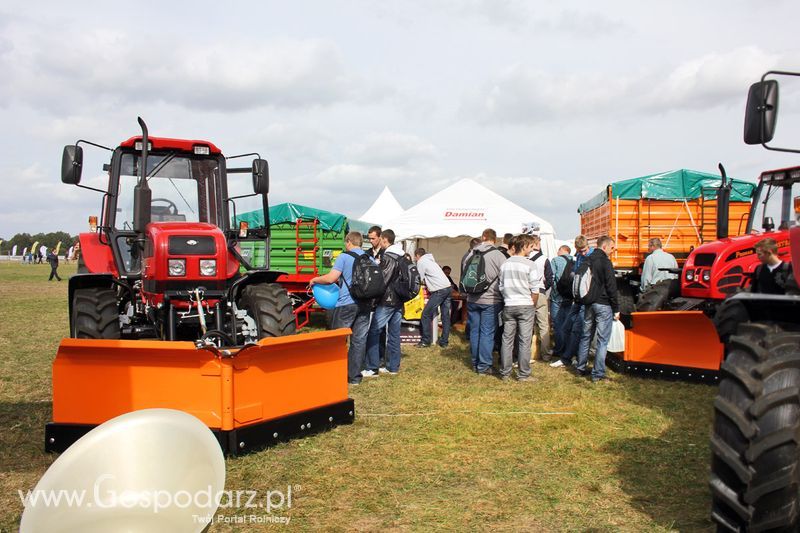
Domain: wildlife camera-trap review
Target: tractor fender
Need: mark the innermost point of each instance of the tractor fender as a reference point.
(769, 307)
(96, 255)
(250, 277)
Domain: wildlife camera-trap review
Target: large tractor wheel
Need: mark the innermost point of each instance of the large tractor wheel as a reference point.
(729, 316)
(271, 308)
(755, 475)
(625, 296)
(656, 296)
(95, 314)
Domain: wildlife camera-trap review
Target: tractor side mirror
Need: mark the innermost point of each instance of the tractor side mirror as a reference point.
(260, 176)
(761, 112)
(71, 164)
(768, 224)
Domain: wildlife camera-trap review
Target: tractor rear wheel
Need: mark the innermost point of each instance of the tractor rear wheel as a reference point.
(755, 472)
(654, 298)
(729, 316)
(95, 314)
(271, 308)
(625, 296)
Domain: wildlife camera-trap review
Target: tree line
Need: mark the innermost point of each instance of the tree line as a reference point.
(26, 240)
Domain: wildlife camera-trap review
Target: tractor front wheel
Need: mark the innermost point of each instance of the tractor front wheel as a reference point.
(95, 314)
(656, 296)
(729, 316)
(755, 472)
(269, 305)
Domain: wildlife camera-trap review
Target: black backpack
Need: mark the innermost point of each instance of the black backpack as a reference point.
(367, 278)
(548, 270)
(473, 275)
(407, 282)
(564, 283)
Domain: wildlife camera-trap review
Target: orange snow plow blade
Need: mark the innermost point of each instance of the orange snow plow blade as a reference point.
(270, 383)
(672, 345)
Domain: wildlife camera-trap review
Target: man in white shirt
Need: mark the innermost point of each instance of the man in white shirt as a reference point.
(655, 261)
(541, 323)
(519, 284)
(440, 291)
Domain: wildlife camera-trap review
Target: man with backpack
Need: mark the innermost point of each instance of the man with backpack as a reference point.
(440, 291)
(398, 274)
(596, 287)
(561, 295)
(358, 274)
(541, 324)
(572, 327)
(480, 272)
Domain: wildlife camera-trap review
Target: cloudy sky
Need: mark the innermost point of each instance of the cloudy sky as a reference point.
(544, 102)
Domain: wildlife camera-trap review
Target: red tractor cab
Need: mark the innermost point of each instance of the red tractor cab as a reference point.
(165, 261)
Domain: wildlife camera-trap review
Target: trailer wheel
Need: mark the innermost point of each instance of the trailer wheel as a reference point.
(271, 308)
(755, 475)
(654, 298)
(95, 314)
(729, 316)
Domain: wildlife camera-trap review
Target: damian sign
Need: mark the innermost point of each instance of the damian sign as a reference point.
(464, 214)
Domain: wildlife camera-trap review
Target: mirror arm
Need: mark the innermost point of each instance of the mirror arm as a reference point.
(90, 188)
(244, 155)
(93, 144)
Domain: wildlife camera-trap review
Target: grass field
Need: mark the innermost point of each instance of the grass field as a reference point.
(435, 447)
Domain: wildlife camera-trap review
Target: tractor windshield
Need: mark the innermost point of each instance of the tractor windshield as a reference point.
(776, 201)
(184, 189)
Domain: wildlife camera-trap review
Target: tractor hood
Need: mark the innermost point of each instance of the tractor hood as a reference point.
(717, 269)
(184, 256)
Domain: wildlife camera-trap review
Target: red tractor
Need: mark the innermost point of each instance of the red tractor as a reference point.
(164, 262)
(681, 325)
(755, 444)
(163, 316)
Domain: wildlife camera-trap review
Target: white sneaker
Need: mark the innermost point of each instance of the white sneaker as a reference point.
(384, 370)
(558, 364)
(369, 373)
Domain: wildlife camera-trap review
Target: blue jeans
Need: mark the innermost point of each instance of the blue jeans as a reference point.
(383, 316)
(439, 299)
(559, 311)
(482, 320)
(355, 317)
(572, 332)
(601, 317)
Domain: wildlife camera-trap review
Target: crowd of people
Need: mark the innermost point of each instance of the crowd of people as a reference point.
(513, 293)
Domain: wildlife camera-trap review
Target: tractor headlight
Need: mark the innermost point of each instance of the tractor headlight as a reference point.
(177, 267)
(707, 276)
(208, 267)
(689, 275)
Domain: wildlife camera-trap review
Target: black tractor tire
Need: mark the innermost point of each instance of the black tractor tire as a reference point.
(270, 306)
(656, 296)
(95, 314)
(729, 316)
(755, 443)
(625, 296)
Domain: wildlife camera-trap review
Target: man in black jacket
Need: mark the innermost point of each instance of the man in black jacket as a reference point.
(389, 312)
(601, 310)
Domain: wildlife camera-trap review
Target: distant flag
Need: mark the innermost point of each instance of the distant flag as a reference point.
(58, 248)
(14, 250)
(24, 251)
(70, 252)
(34, 247)
(43, 250)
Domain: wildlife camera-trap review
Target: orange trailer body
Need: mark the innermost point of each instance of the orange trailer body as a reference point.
(681, 226)
(248, 396)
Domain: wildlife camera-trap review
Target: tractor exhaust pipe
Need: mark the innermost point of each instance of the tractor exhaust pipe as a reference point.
(142, 195)
(723, 204)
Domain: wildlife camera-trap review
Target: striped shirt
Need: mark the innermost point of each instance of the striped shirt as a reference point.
(519, 279)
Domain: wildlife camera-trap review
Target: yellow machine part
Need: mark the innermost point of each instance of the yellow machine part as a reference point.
(676, 338)
(96, 380)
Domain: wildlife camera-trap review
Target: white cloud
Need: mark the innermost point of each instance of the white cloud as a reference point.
(115, 67)
(393, 150)
(525, 95)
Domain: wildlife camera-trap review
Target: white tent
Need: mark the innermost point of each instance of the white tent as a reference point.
(444, 223)
(383, 209)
